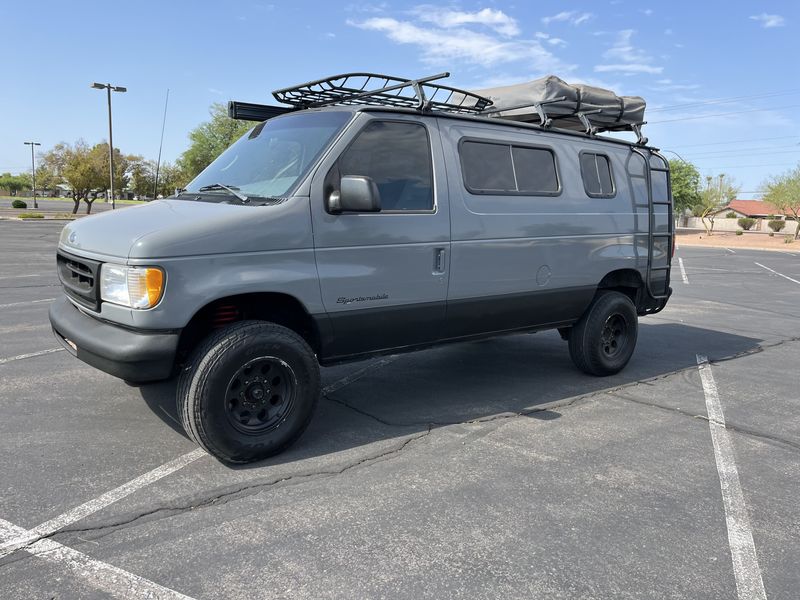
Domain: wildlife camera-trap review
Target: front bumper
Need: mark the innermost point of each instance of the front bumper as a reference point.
(136, 356)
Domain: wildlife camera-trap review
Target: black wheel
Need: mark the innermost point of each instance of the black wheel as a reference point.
(248, 391)
(603, 340)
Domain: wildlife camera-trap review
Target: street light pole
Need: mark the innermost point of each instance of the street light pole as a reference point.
(33, 171)
(110, 88)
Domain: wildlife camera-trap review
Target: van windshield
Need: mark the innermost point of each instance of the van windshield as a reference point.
(269, 159)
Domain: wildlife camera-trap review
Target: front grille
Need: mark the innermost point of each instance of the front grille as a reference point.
(79, 278)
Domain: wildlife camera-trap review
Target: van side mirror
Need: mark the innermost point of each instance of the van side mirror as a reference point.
(356, 194)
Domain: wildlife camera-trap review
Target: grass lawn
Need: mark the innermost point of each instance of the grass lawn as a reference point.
(29, 200)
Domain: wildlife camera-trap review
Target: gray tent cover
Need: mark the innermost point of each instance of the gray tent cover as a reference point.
(616, 112)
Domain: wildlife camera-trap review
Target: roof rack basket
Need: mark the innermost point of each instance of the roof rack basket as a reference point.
(383, 90)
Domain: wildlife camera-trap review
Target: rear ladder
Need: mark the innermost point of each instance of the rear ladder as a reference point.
(661, 229)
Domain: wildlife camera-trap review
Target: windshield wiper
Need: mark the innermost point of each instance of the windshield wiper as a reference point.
(232, 189)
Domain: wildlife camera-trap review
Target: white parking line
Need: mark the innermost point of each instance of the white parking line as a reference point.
(779, 274)
(26, 302)
(117, 582)
(729, 250)
(29, 355)
(20, 276)
(683, 270)
(92, 506)
(749, 584)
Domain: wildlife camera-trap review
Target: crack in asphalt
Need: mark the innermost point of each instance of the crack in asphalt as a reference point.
(613, 392)
(748, 431)
(226, 495)
(563, 403)
(218, 498)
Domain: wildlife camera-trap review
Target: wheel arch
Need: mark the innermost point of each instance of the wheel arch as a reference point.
(276, 307)
(625, 281)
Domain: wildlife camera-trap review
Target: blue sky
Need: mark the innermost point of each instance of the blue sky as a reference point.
(681, 56)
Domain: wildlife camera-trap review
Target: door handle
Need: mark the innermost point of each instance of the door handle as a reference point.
(438, 260)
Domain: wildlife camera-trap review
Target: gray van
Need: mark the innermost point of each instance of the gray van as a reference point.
(358, 223)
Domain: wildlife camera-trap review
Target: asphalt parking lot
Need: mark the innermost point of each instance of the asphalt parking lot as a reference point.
(489, 469)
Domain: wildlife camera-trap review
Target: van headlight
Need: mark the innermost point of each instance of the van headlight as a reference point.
(136, 287)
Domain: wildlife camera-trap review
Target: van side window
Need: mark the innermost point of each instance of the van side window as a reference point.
(492, 168)
(397, 156)
(596, 173)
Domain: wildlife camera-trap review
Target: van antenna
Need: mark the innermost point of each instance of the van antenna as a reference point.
(160, 145)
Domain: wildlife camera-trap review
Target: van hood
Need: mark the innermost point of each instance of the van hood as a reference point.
(169, 228)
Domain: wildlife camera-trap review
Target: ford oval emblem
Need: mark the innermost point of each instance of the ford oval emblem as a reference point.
(72, 237)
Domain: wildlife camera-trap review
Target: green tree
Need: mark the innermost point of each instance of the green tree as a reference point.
(98, 156)
(50, 166)
(783, 192)
(685, 185)
(80, 170)
(719, 192)
(210, 139)
(46, 179)
(170, 178)
(14, 183)
(142, 176)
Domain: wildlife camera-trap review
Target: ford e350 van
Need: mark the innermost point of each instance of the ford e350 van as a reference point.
(372, 215)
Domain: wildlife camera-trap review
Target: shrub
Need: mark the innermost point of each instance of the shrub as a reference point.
(746, 223)
(776, 225)
(730, 215)
(18, 204)
(771, 234)
(739, 232)
(31, 215)
(788, 239)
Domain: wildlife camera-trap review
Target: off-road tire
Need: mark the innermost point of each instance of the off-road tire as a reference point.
(603, 340)
(204, 388)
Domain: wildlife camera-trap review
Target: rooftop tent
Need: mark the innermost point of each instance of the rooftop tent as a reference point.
(549, 97)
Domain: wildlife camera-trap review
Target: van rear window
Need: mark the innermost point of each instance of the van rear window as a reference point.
(495, 168)
(596, 174)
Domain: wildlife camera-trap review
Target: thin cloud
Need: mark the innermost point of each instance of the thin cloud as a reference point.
(626, 58)
(446, 18)
(768, 21)
(631, 68)
(442, 46)
(367, 7)
(573, 17)
(667, 85)
(553, 41)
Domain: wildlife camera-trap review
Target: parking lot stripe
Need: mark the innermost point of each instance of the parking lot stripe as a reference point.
(117, 582)
(683, 270)
(749, 583)
(776, 273)
(96, 504)
(29, 355)
(26, 302)
(20, 276)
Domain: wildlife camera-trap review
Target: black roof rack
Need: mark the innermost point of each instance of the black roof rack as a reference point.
(383, 90)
